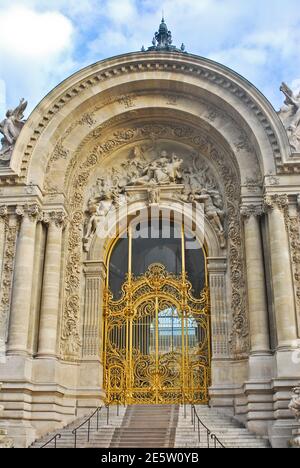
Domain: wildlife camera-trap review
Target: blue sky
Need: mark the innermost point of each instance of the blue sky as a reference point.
(44, 41)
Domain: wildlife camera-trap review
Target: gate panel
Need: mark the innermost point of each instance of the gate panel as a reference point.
(157, 342)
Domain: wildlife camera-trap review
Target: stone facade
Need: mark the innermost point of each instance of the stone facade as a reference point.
(151, 128)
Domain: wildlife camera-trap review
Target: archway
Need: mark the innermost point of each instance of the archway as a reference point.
(156, 326)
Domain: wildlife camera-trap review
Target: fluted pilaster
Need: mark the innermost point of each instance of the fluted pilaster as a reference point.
(23, 280)
(257, 295)
(281, 270)
(51, 285)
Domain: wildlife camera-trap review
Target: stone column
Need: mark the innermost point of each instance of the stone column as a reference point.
(51, 286)
(3, 219)
(281, 270)
(22, 285)
(257, 296)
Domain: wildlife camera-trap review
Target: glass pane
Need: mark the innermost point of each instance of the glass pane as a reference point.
(118, 267)
(169, 331)
(156, 244)
(195, 266)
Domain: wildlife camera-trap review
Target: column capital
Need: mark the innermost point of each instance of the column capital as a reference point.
(31, 212)
(248, 211)
(57, 218)
(276, 200)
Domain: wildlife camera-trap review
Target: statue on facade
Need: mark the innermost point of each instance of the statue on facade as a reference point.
(11, 128)
(290, 116)
(97, 214)
(151, 174)
(294, 406)
(161, 171)
(212, 202)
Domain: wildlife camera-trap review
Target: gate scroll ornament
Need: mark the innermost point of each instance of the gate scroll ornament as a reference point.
(157, 341)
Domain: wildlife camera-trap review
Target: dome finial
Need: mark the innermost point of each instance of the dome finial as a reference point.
(163, 39)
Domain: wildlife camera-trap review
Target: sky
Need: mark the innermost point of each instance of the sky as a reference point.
(42, 42)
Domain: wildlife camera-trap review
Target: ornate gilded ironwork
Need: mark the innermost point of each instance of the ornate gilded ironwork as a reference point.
(157, 341)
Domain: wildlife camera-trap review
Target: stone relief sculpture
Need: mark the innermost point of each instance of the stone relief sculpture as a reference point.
(290, 116)
(11, 128)
(294, 406)
(143, 172)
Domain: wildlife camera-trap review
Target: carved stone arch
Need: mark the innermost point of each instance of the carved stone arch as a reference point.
(214, 81)
(99, 246)
(82, 174)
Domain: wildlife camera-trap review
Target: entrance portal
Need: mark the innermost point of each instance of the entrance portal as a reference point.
(156, 333)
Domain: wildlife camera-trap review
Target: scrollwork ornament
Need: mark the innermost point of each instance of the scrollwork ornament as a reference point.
(247, 211)
(273, 201)
(58, 218)
(7, 274)
(32, 212)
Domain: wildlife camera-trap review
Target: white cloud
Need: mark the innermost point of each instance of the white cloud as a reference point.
(42, 41)
(2, 97)
(35, 52)
(29, 34)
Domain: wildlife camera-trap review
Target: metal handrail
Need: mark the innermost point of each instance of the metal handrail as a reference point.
(212, 440)
(57, 436)
(88, 422)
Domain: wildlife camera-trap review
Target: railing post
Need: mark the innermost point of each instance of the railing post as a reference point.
(107, 415)
(75, 438)
(98, 420)
(89, 428)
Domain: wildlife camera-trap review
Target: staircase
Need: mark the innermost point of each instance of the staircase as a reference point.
(100, 439)
(147, 427)
(155, 427)
(229, 431)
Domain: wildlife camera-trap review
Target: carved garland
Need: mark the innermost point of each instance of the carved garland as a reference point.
(70, 334)
(11, 231)
(140, 67)
(293, 226)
